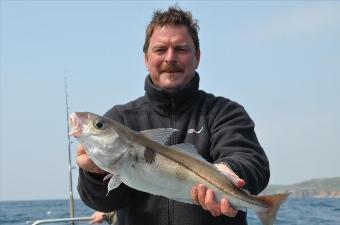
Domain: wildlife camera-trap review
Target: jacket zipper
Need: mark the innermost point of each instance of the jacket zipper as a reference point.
(172, 142)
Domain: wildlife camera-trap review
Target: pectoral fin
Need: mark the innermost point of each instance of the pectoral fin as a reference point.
(114, 182)
(108, 176)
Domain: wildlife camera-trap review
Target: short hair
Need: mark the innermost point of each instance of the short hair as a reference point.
(173, 16)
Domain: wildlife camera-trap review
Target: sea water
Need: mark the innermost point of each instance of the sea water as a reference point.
(27, 212)
(295, 211)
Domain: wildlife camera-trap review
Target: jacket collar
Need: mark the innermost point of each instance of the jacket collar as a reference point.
(165, 102)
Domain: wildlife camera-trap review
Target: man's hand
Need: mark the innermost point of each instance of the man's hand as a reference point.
(205, 197)
(97, 217)
(85, 163)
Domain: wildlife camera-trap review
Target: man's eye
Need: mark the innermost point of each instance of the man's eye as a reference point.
(159, 50)
(182, 50)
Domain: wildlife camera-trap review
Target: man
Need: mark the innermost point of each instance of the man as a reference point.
(220, 129)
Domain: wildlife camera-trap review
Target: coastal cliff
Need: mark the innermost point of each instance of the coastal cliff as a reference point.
(317, 188)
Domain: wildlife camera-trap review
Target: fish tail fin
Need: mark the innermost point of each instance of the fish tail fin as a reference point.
(274, 202)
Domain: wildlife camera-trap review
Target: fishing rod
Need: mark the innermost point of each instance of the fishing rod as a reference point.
(69, 154)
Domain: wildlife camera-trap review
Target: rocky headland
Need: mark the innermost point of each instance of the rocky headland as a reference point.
(317, 188)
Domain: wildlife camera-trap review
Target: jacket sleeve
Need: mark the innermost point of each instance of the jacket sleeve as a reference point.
(93, 190)
(234, 142)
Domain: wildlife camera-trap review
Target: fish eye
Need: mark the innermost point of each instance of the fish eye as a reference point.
(99, 124)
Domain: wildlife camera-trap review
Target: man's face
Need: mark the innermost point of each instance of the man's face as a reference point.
(171, 58)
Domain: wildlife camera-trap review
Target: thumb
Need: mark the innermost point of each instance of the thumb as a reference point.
(238, 182)
(229, 173)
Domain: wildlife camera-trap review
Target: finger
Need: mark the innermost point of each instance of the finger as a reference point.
(231, 175)
(93, 219)
(194, 192)
(211, 204)
(227, 209)
(238, 182)
(82, 161)
(201, 195)
(80, 150)
(87, 164)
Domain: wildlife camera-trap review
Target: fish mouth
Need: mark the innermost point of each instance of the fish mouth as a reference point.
(75, 125)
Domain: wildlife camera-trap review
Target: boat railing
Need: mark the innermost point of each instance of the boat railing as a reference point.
(59, 220)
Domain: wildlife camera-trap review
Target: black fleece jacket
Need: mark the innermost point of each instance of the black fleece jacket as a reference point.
(220, 129)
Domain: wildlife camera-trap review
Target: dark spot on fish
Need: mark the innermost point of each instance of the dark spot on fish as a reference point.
(149, 155)
(133, 166)
(181, 174)
(133, 157)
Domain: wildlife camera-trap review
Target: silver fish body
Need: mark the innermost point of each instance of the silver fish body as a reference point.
(142, 161)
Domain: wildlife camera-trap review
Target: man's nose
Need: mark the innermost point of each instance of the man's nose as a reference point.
(170, 56)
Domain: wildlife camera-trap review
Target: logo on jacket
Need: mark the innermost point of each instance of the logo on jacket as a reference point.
(191, 131)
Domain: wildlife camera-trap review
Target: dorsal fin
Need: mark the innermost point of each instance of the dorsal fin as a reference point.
(160, 135)
(189, 149)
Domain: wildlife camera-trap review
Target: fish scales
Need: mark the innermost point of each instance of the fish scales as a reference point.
(201, 169)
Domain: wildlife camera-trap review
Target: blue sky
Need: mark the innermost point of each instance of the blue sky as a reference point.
(279, 59)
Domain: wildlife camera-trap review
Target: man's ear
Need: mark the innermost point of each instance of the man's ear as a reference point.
(146, 61)
(198, 57)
